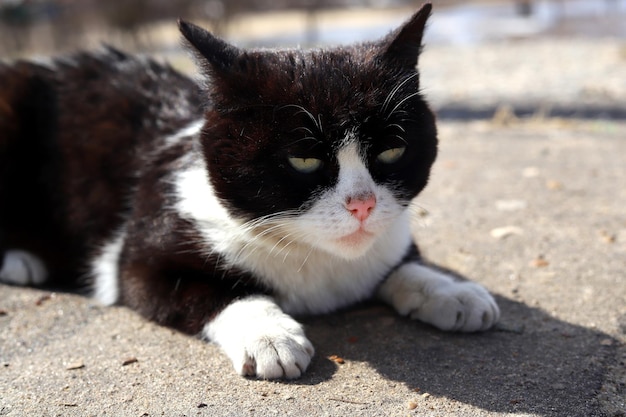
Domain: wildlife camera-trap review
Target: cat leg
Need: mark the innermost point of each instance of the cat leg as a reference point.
(22, 268)
(432, 296)
(260, 339)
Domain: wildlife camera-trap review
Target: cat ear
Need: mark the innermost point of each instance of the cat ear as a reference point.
(403, 46)
(210, 49)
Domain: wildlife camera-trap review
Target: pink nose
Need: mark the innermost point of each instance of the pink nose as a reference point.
(362, 207)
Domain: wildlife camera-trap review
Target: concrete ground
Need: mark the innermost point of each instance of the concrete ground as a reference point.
(532, 208)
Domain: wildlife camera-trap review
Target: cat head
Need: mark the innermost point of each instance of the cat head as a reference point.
(332, 143)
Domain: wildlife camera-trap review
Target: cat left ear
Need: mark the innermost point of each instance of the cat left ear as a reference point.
(217, 53)
(403, 46)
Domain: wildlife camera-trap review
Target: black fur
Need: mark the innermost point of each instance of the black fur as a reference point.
(82, 154)
(74, 138)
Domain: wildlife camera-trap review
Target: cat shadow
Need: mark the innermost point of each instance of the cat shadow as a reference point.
(530, 363)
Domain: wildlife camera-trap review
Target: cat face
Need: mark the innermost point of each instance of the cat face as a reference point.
(327, 145)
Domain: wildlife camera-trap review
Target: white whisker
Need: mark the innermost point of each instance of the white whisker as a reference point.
(306, 258)
(403, 130)
(394, 91)
(404, 100)
(316, 121)
(305, 129)
(262, 229)
(278, 244)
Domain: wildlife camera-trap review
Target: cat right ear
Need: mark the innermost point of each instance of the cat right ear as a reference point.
(403, 46)
(210, 50)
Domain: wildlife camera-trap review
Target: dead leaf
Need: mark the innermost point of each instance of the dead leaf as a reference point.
(129, 361)
(337, 359)
(539, 262)
(608, 237)
(554, 185)
(43, 299)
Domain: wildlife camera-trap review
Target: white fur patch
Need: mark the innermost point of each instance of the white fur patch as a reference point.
(22, 268)
(260, 339)
(312, 260)
(309, 280)
(434, 297)
(105, 271)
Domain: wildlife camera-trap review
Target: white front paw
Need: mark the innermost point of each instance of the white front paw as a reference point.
(459, 306)
(433, 297)
(277, 353)
(261, 340)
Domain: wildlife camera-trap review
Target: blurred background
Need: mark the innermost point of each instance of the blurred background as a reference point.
(50, 26)
(484, 58)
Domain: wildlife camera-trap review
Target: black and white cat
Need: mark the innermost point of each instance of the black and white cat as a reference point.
(280, 187)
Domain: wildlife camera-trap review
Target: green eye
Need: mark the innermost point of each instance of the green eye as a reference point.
(391, 155)
(305, 165)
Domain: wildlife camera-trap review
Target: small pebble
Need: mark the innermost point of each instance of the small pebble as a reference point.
(530, 172)
(506, 231)
(511, 205)
(75, 365)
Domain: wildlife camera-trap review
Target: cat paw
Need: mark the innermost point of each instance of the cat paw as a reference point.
(431, 296)
(459, 306)
(281, 353)
(261, 340)
(22, 268)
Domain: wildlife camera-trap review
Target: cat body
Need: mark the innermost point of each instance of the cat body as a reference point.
(280, 187)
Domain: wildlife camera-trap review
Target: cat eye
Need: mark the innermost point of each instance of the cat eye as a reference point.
(305, 165)
(391, 155)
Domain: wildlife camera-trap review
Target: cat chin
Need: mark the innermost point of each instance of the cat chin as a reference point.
(354, 245)
(357, 238)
